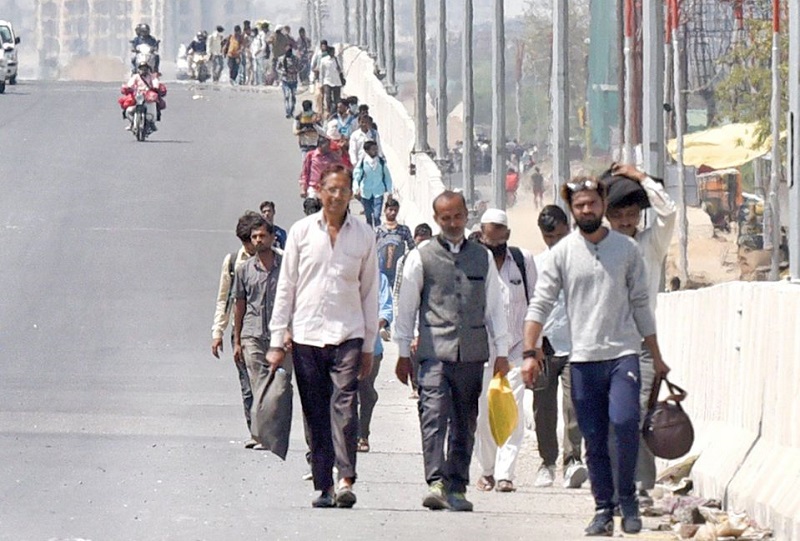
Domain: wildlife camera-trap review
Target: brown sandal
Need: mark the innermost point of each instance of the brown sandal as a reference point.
(505, 485)
(486, 483)
(363, 445)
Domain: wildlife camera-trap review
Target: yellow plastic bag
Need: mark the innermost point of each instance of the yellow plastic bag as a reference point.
(503, 416)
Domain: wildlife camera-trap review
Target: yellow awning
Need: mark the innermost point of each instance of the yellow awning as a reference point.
(722, 147)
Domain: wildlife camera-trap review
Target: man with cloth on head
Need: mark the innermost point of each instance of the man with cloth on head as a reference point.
(453, 285)
(517, 271)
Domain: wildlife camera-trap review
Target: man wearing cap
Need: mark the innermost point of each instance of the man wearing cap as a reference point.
(453, 285)
(606, 295)
(629, 192)
(517, 271)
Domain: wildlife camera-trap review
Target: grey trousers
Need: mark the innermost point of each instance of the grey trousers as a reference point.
(449, 395)
(545, 414)
(244, 384)
(327, 380)
(367, 398)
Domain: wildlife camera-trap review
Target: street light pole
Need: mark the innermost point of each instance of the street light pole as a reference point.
(683, 224)
(559, 100)
(468, 97)
(772, 229)
(627, 154)
(380, 42)
(794, 139)
(653, 100)
(421, 78)
(359, 17)
(346, 10)
(371, 29)
(441, 67)
(391, 59)
(499, 105)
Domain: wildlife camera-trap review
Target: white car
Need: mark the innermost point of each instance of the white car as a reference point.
(9, 41)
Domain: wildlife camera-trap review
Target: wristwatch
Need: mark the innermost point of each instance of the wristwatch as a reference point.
(529, 353)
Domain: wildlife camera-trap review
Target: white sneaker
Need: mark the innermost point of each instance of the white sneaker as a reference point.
(575, 475)
(546, 476)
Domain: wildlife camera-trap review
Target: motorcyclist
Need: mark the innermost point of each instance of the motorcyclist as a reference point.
(143, 37)
(143, 82)
(199, 44)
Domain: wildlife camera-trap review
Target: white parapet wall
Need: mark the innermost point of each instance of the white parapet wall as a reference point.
(396, 127)
(735, 348)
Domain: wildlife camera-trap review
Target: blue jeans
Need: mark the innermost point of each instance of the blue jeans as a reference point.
(603, 393)
(289, 97)
(372, 209)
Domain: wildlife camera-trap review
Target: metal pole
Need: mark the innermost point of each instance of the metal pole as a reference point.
(441, 67)
(653, 98)
(559, 100)
(627, 154)
(499, 105)
(318, 17)
(772, 233)
(421, 78)
(794, 139)
(312, 21)
(468, 97)
(372, 31)
(391, 59)
(346, 10)
(359, 18)
(380, 43)
(679, 128)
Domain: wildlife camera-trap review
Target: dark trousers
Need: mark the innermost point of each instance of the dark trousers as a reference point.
(247, 391)
(332, 95)
(545, 413)
(233, 68)
(607, 392)
(367, 398)
(327, 380)
(448, 411)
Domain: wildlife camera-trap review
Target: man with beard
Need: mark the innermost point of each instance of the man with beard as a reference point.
(453, 285)
(605, 290)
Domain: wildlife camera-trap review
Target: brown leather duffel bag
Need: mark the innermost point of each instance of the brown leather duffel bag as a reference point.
(667, 429)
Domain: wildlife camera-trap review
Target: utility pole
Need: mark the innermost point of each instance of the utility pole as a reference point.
(653, 98)
(312, 20)
(391, 59)
(318, 17)
(518, 75)
(499, 105)
(421, 78)
(683, 224)
(359, 18)
(380, 42)
(627, 154)
(364, 24)
(794, 139)
(468, 97)
(441, 67)
(772, 218)
(559, 100)
(346, 9)
(372, 31)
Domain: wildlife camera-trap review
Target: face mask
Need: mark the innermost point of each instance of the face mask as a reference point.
(589, 225)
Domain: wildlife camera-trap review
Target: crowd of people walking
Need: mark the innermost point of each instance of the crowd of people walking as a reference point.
(321, 299)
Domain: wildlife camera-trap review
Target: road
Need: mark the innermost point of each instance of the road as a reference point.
(116, 423)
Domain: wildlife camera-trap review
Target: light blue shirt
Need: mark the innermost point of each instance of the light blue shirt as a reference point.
(385, 309)
(371, 177)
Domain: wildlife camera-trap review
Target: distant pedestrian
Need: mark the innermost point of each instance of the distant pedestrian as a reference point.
(394, 239)
(605, 291)
(372, 181)
(554, 226)
(341, 124)
(364, 133)
(261, 52)
(288, 70)
(279, 42)
(267, 209)
(311, 205)
(517, 271)
(314, 164)
(330, 76)
(224, 306)
(328, 293)
(319, 103)
(233, 51)
(537, 181)
(367, 395)
(453, 286)
(307, 128)
(304, 52)
(215, 53)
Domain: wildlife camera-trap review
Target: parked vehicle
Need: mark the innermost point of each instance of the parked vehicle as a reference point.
(182, 71)
(9, 41)
(721, 196)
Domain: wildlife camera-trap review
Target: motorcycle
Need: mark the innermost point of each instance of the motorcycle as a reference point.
(145, 53)
(141, 128)
(198, 67)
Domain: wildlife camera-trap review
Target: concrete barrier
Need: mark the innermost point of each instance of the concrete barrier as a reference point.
(396, 126)
(736, 349)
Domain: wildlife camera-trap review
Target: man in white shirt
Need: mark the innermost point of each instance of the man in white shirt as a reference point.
(328, 294)
(453, 284)
(518, 273)
(330, 77)
(365, 132)
(215, 53)
(630, 192)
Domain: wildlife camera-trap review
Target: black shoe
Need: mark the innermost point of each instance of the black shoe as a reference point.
(324, 500)
(632, 524)
(602, 525)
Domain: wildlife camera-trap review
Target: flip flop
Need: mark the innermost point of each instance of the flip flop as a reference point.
(486, 483)
(505, 485)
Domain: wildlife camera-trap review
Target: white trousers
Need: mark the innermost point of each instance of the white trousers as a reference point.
(500, 462)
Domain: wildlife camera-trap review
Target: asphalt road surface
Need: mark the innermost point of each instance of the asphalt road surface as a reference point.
(116, 423)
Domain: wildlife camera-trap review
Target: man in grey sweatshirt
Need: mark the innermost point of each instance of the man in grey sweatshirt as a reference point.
(605, 290)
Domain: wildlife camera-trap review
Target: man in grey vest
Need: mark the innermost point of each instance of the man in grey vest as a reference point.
(454, 286)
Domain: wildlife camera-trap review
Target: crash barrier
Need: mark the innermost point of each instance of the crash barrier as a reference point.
(396, 127)
(735, 348)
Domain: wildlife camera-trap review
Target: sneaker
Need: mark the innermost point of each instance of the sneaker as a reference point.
(546, 476)
(632, 524)
(436, 499)
(128, 127)
(459, 502)
(308, 476)
(575, 475)
(324, 500)
(602, 525)
(345, 497)
(249, 444)
(386, 335)
(259, 447)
